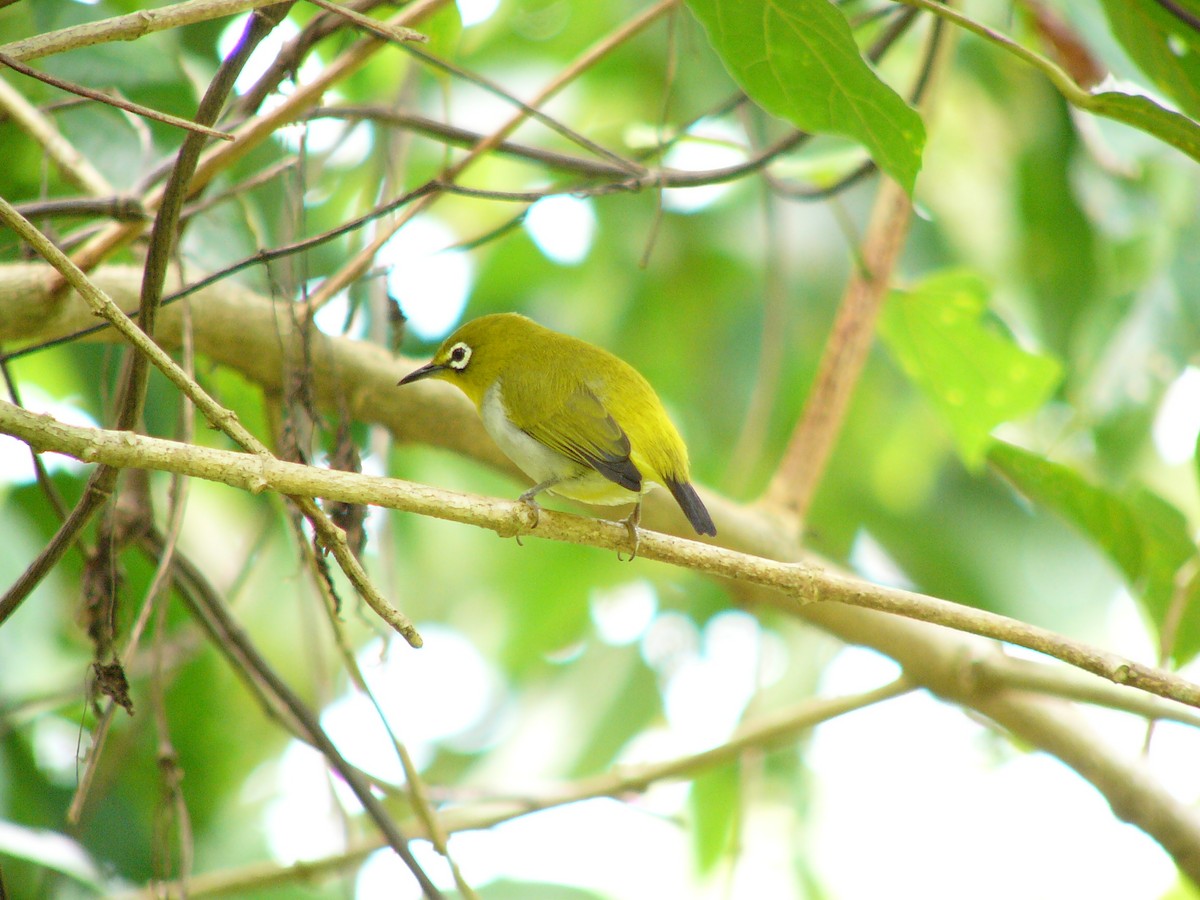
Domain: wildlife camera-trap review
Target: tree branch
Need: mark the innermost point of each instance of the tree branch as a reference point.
(128, 27)
(795, 481)
(801, 583)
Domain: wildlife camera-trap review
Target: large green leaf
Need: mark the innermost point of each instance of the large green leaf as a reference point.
(1162, 46)
(1143, 535)
(975, 376)
(798, 60)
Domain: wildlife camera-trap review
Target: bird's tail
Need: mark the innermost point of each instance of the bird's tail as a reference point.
(693, 507)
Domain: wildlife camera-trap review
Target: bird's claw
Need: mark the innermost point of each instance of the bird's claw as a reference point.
(631, 525)
(533, 517)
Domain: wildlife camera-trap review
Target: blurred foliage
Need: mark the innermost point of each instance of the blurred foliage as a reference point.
(1048, 295)
(976, 378)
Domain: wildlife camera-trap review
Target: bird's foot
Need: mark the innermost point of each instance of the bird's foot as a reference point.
(534, 514)
(631, 525)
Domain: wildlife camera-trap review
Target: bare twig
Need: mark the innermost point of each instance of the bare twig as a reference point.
(208, 609)
(362, 260)
(383, 30)
(529, 110)
(287, 61)
(465, 137)
(116, 207)
(119, 102)
(128, 27)
(795, 481)
(255, 131)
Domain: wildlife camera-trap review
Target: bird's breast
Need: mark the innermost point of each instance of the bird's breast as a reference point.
(534, 458)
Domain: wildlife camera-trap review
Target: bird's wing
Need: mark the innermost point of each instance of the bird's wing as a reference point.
(581, 429)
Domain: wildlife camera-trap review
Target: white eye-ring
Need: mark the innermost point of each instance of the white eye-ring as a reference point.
(460, 355)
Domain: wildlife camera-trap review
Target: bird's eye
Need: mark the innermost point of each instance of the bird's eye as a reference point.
(460, 355)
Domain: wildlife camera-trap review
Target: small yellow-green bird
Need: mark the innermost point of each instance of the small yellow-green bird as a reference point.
(580, 422)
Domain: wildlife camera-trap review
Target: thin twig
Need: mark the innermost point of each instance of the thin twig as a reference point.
(999, 671)
(387, 32)
(1185, 16)
(254, 132)
(287, 61)
(39, 468)
(465, 137)
(128, 27)
(119, 207)
(119, 102)
(530, 110)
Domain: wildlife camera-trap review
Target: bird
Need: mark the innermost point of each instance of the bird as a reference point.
(579, 421)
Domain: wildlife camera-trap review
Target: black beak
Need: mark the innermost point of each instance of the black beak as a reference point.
(417, 374)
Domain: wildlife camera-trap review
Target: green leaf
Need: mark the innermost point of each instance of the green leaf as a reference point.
(1143, 535)
(1144, 114)
(975, 377)
(715, 800)
(1162, 46)
(797, 59)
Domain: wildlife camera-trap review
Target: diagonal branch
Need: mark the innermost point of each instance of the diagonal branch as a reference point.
(120, 103)
(128, 27)
(795, 482)
(214, 616)
(799, 583)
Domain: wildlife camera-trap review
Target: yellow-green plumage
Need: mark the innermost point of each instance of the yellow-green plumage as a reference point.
(578, 420)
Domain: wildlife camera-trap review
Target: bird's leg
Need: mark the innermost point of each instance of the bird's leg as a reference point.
(631, 523)
(527, 498)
